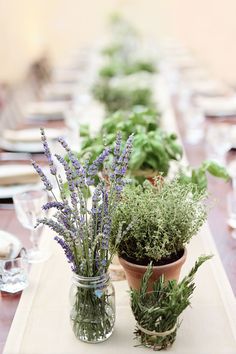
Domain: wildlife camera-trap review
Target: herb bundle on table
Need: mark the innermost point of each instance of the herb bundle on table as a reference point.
(157, 312)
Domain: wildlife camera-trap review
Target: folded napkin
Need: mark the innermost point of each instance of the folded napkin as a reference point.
(17, 174)
(209, 87)
(29, 135)
(218, 106)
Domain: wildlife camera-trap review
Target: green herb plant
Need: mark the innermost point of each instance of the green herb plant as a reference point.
(158, 311)
(153, 148)
(124, 97)
(120, 67)
(159, 220)
(198, 176)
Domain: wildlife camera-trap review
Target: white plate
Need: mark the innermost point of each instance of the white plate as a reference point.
(218, 106)
(18, 174)
(7, 238)
(48, 110)
(9, 191)
(20, 146)
(59, 91)
(30, 136)
(208, 87)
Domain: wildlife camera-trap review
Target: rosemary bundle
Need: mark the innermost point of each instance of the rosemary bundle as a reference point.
(157, 312)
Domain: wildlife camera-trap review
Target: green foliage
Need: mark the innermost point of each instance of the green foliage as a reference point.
(84, 130)
(198, 177)
(117, 67)
(153, 149)
(122, 97)
(158, 311)
(92, 147)
(140, 119)
(112, 49)
(160, 219)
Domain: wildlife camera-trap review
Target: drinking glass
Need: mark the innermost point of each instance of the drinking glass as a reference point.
(218, 139)
(231, 206)
(28, 207)
(194, 125)
(14, 274)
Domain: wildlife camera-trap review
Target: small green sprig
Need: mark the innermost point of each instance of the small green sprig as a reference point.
(158, 311)
(198, 176)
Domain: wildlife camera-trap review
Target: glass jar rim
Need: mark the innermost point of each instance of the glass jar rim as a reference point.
(105, 277)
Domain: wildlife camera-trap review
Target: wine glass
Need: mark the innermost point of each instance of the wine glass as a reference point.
(218, 139)
(28, 207)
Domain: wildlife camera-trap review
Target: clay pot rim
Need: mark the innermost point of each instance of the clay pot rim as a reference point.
(128, 264)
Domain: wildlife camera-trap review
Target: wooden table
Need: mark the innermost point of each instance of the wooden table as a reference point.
(10, 223)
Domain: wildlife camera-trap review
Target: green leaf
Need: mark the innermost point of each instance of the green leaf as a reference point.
(216, 169)
(199, 178)
(137, 159)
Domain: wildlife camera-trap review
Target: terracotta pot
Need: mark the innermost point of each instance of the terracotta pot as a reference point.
(134, 272)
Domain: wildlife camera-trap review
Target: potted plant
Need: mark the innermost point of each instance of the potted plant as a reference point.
(119, 67)
(83, 231)
(153, 148)
(122, 93)
(118, 97)
(157, 312)
(159, 221)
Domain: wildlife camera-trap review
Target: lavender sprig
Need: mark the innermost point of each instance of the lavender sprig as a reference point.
(83, 233)
(43, 177)
(47, 153)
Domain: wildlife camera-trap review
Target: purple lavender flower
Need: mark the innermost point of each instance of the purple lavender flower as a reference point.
(47, 153)
(118, 144)
(93, 169)
(62, 141)
(117, 149)
(68, 252)
(75, 225)
(80, 171)
(57, 205)
(43, 177)
(69, 173)
(124, 158)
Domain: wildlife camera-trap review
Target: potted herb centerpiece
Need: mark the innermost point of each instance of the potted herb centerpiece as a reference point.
(153, 148)
(157, 312)
(124, 92)
(159, 220)
(83, 231)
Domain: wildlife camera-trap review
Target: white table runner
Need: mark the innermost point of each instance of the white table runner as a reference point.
(41, 324)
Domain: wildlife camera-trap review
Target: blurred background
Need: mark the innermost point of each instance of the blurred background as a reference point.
(33, 28)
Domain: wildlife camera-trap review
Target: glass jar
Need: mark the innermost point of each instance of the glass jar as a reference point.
(92, 302)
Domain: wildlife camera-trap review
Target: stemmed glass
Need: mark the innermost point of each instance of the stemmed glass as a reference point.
(218, 139)
(28, 207)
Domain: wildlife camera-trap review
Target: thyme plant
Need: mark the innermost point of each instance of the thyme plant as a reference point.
(160, 220)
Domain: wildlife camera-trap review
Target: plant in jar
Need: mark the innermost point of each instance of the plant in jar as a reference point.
(83, 231)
